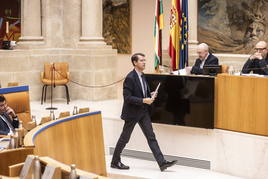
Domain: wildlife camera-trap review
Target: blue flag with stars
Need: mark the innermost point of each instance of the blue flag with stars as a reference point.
(184, 36)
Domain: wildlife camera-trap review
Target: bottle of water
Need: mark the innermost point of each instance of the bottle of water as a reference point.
(20, 125)
(17, 138)
(37, 168)
(12, 143)
(34, 119)
(52, 115)
(73, 174)
(75, 111)
(231, 70)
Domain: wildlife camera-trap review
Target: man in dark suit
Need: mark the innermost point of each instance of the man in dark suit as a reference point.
(8, 119)
(258, 62)
(136, 107)
(204, 58)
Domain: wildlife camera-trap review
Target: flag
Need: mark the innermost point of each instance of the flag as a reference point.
(175, 34)
(158, 27)
(184, 36)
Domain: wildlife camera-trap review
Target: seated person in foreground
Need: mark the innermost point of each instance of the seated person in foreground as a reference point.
(204, 58)
(258, 61)
(8, 119)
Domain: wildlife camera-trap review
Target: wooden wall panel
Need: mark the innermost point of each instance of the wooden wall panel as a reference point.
(242, 104)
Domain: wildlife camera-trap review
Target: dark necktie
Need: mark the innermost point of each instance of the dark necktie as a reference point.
(144, 86)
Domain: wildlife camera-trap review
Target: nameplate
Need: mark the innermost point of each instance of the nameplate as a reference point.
(27, 168)
(51, 172)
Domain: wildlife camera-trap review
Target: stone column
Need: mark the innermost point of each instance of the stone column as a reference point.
(193, 28)
(92, 22)
(31, 28)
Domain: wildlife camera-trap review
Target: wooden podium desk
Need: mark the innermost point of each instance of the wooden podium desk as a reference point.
(242, 104)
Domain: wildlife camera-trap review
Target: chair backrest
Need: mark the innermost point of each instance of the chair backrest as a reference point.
(45, 119)
(18, 99)
(61, 70)
(10, 84)
(83, 110)
(224, 68)
(11, 157)
(64, 114)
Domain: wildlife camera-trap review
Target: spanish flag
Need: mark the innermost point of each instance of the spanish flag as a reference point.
(175, 34)
(158, 27)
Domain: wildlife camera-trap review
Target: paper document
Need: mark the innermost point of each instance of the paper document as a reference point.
(156, 91)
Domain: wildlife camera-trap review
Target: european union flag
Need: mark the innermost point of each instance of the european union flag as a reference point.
(184, 36)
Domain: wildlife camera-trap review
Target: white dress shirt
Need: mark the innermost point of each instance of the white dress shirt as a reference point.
(142, 86)
(203, 62)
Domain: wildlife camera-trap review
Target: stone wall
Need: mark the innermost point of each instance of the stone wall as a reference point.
(88, 67)
(62, 31)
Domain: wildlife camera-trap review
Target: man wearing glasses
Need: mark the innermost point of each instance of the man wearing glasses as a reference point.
(8, 119)
(258, 62)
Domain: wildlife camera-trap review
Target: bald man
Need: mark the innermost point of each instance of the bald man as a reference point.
(204, 59)
(258, 62)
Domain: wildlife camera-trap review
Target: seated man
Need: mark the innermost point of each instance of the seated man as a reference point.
(258, 61)
(8, 119)
(204, 58)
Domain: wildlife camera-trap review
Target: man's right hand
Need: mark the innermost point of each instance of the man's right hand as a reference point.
(148, 100)
(256, 56)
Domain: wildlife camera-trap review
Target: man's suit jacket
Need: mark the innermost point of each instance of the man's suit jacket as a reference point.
(211, 60)
(133, 107)
(257, 66)
(4, 129)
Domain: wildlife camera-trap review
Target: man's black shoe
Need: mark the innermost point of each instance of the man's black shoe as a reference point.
(167, 164)
(119, 165)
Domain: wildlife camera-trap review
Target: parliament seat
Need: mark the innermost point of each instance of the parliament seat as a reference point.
(224, 68)
(55, 74)
(11, 157)
(10, 84)
(18, 99)
(64, 114)
(83, 110)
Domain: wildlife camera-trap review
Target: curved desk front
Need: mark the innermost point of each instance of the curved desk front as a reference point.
(72, 140)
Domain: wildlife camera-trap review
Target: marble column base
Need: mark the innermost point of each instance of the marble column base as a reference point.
(30, 42)
(93, 42)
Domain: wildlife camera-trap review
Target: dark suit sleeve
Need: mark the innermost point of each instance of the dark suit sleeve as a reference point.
(3, 128)
(196, 68)
(263, 67)
(2, 132)
(214, 61)
(15, 123)
(128, 93)
(247, 66)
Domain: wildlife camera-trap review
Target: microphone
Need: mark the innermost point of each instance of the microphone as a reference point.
(53, 74)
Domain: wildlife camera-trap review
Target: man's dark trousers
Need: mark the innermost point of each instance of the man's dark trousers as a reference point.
(147, 129)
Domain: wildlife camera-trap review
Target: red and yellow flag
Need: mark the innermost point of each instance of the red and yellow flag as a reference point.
(175, 34)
